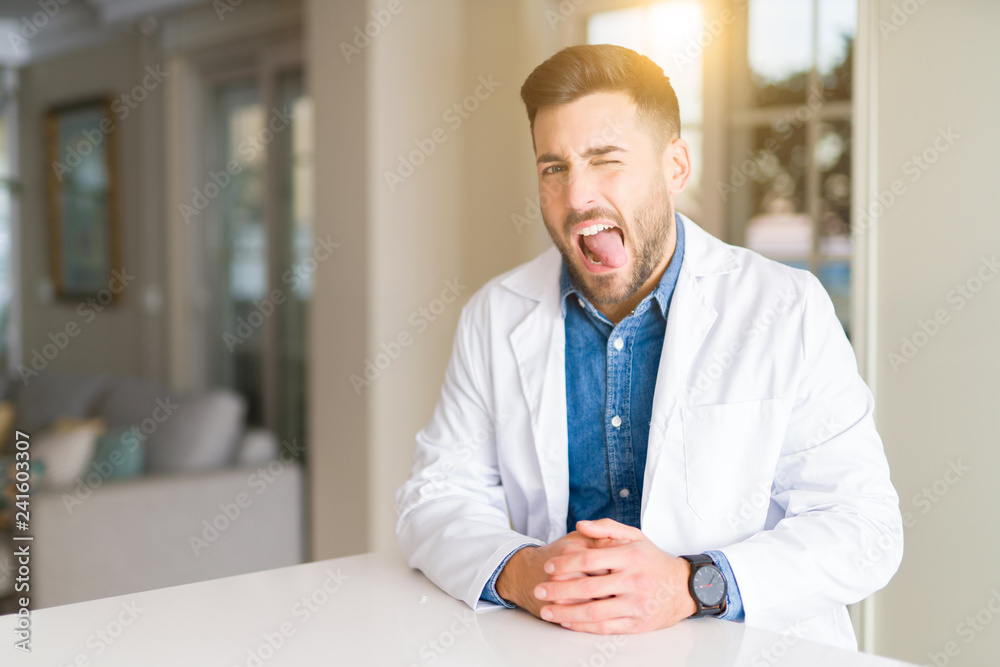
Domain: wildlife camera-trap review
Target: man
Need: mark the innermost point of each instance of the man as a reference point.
(645, 424)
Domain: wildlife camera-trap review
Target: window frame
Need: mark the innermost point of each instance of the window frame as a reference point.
(199, 75)
(744, 117)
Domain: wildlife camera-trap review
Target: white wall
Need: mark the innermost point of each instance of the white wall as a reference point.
(338, 318)
(123, 338)
(416, 74)
(501, 229)
(938, 72)
(448, 221)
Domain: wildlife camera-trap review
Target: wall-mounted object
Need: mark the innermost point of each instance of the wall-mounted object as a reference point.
(81, 152)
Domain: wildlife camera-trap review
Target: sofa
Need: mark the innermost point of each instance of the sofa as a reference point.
(193, 494)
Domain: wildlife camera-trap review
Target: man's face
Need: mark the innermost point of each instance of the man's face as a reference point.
(598, 168)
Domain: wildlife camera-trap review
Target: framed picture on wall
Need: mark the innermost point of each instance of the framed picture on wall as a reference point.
(81, 152)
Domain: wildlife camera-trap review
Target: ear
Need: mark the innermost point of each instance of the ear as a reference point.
(677, 165)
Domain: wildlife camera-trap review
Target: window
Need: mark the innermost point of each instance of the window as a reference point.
(781, 179)
(258, 242)
(663, 31)
(789, 182)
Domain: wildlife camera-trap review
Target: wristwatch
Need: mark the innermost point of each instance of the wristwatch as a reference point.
(707, 586)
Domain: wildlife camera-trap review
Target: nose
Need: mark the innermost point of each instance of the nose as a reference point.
(580, 193)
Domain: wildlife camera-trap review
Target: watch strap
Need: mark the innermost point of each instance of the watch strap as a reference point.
(699, 559)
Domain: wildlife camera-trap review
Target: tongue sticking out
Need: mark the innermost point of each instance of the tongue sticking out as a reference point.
(608, 247)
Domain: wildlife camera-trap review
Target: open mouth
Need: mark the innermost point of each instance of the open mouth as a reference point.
(602, 244)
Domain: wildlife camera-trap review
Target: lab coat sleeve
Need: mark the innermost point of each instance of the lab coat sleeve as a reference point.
(841, 537)
(453, 520)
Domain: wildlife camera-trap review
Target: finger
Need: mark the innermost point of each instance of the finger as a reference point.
(565, 577)
(578, 575)
(590, 560)
(570, 601)
(577, 588)
(582, 541)
(608, 529)
(589, 612)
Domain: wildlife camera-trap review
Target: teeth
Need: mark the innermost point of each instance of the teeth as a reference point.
(591, 256)
(593, 229)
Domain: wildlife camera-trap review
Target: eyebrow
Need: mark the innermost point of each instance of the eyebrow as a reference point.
(590, 152)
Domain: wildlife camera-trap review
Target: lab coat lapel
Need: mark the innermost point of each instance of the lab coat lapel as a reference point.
(689, 321)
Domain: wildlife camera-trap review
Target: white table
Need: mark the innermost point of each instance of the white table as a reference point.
(367, 610)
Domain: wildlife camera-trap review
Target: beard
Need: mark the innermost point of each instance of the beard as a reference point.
(649, 232)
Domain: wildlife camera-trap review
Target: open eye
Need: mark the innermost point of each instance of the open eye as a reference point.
(551, 169)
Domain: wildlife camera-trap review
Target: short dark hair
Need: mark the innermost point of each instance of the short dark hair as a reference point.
(577, 71)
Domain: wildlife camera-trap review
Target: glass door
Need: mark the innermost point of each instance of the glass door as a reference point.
(296, 263)
(259, 244)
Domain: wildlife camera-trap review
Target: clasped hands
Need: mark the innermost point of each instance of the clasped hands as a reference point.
(604, 577)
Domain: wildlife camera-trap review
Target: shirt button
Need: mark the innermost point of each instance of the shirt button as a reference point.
(623, 493)
(616, 421)
(619, 343)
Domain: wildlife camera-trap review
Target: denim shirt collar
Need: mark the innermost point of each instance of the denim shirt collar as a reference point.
(661, 294)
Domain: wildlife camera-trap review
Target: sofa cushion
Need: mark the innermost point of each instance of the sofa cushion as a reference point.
(64, 452)
(53, 394)
(258, 445)
(199, 432)
(118, 455)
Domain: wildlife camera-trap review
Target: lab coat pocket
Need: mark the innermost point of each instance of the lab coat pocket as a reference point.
(730, 454)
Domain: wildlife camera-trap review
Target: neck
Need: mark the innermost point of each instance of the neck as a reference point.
(616, 312)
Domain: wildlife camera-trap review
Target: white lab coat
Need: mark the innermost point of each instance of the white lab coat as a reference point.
(761, 444)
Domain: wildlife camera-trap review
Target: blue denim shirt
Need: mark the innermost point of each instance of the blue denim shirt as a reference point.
(610, 379)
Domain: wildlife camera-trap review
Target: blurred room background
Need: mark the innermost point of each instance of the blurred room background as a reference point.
(299, 197)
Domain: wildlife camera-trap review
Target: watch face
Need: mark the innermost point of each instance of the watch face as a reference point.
(709, 585)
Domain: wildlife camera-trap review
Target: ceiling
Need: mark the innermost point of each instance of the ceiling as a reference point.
(106, 11)
(36, 29)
